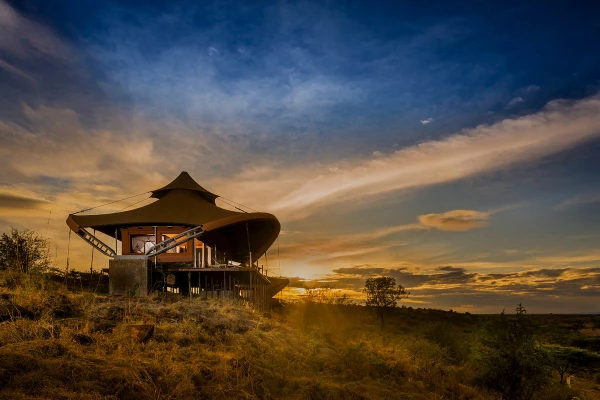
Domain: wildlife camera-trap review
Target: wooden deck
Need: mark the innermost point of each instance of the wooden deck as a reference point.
(234, 271)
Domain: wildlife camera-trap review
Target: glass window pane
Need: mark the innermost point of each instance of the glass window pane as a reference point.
(140, 244)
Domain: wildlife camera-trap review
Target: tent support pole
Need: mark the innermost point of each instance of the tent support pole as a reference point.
(249, 247)
(195, 253)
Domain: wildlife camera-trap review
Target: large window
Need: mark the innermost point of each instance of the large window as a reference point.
(140, 244)
(183, 248)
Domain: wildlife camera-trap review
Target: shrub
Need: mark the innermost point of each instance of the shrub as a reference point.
(426, 355)
(450, 338)
(511, 362)
(24, 251)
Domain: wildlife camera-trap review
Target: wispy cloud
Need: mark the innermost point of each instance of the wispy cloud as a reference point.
(13, 204)
(578, 201)
(16, 71)
(515, 101)
(299, 192)
(22, 37)
(426, 121)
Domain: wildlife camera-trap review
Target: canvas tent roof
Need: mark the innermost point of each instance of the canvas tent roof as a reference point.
(183, 202)
(185, 181)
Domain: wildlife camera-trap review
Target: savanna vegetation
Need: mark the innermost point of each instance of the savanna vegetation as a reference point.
(63, 340)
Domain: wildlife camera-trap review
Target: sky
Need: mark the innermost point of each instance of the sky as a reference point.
(452, 145)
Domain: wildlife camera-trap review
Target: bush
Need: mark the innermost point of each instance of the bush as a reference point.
(448, 337)
(558, 392)
(426, 355)
(511, 362)
(24, 251)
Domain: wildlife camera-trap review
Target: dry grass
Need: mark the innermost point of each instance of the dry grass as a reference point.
(75, 346)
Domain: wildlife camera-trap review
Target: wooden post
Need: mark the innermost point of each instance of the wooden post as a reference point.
(190, 284)
(202, 258)
(250, 291)
(156, 257)
(195, 253)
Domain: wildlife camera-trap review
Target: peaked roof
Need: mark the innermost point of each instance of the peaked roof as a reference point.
(183, 202)
(186, 182)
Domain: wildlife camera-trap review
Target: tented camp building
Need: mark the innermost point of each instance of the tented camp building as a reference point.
(183, 242)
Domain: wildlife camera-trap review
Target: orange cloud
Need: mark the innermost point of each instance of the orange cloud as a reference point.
(456, 220)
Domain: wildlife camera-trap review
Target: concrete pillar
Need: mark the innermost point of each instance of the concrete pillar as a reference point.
(128, 276)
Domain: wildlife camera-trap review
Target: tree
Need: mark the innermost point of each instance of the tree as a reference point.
(25, 251)
(568, 360)
(383, 294)
(511, 361)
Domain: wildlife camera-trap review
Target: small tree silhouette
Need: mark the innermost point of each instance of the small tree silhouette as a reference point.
(383, 294)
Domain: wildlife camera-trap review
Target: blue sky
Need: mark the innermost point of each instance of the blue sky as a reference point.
(388, 137)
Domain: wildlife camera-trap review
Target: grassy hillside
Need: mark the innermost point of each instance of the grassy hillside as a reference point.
(61, 344)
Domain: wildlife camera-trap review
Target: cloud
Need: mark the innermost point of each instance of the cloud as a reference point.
(64, 148)
(22, 38)
(532, 88)
(578, 201)
(99, 165)
(426, 121)
(317, 248)
(11, 202)
(16, 71)
(541, 290)
(321, 249)
(515, 101)
(456, 220)
(562, 280)
(298, 192)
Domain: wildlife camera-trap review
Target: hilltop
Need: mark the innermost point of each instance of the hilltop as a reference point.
(63, 344)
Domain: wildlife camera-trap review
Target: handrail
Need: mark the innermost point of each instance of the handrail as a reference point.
(96, 243)
(175, 241)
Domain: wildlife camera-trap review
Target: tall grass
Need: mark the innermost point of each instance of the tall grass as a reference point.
(76, 345)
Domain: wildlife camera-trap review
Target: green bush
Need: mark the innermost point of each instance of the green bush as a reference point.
(24, 251)
(453, 340)
(510, 361)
